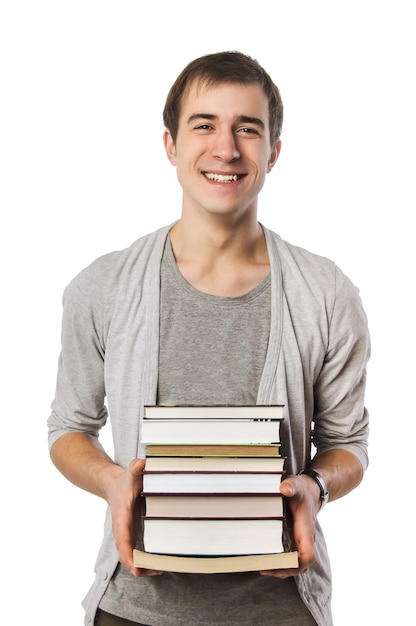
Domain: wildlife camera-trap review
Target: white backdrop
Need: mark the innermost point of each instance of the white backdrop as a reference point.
(83, 172)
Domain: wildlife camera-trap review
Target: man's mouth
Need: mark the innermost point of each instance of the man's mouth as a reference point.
(223, 178)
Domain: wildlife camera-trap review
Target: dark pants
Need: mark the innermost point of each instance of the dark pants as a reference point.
(105, 619)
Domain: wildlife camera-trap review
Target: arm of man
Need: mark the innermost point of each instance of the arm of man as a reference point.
(340, 423)
(342, 472)
(82, 460)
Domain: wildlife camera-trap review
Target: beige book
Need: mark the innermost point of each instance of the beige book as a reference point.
(215, 565)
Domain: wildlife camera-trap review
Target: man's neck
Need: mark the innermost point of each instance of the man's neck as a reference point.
(220, 260)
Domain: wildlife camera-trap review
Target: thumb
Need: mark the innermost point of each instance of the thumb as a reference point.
(287, 488)
(136, 467)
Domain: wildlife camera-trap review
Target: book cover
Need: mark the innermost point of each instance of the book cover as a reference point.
(215, 565)
(214, 505)
(231, 450)
(215, 463)
(212, 537)
(211, 412)
(209, 482)
(189, 431)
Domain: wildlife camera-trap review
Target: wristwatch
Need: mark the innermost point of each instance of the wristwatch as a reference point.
(321, 483)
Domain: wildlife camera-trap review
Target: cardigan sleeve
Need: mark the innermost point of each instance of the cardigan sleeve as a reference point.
(79, 402)
(340, 417)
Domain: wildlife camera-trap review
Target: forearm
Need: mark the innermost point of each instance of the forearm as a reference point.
(84, 462)
(340, 469)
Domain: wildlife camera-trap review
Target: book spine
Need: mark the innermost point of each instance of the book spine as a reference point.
(213, 519)
(217, 411)
(200, 492)
(200, 472)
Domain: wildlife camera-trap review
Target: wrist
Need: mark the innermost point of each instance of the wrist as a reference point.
(323, 490)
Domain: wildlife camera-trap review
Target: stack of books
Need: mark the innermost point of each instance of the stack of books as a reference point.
(212, 489)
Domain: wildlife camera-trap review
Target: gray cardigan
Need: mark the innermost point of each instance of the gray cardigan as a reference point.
(315, 365)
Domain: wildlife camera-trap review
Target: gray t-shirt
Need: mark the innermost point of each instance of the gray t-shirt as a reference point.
(212, 351)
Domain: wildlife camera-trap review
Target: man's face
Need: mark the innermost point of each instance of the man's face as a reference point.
(222, 151)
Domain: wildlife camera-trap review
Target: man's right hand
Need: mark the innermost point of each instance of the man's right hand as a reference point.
(123, 497)
(83, 461)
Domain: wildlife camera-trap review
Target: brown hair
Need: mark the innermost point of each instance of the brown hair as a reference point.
(223, 67)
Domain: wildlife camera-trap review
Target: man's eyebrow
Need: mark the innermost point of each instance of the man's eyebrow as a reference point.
(199, 116)
(241, 119)
(246, 119)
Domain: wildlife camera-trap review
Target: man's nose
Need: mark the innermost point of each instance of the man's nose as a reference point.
(225, 146)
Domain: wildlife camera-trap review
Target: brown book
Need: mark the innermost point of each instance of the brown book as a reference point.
(214, 505)
(215, 565)
(214, 464)
(191, 449)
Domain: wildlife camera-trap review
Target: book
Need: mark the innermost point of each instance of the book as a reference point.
(214, 505)
(215, 463)
(215, 565)
(211, 482)
(231, 450)
(235, 431)
(212, 537)
(210, 412)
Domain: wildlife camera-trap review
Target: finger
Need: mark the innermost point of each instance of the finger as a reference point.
(288, 488)
(149, 572)
(125, 555)
(136, 467)
(282, 573)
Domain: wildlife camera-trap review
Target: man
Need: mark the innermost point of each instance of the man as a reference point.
(214, 309)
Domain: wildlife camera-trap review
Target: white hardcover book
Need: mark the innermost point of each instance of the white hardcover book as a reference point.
(216, 482)
(210, 431)
(212, 536)
(213, 412)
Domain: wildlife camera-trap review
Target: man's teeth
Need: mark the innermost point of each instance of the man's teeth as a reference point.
(222, 178)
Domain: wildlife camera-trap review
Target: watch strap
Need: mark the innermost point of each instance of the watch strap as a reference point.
(320, 482)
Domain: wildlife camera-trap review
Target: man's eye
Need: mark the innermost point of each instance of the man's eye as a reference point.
(203, 127)
(248, 131)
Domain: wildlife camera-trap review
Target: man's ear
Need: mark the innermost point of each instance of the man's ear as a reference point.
(274, 155)
(169, 146)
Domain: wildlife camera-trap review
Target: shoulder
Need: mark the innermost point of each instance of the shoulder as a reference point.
(309, 279)
(118, 266)
(138, 253)
(293, 257)
(300, 268)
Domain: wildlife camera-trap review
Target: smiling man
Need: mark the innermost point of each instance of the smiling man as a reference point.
(222, 151)
(213, 309)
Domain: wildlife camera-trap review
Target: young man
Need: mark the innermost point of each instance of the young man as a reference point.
(214, 309)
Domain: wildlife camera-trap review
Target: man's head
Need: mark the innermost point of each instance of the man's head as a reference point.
(219, 68)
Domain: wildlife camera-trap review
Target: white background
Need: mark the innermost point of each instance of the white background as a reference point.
(83, 172)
